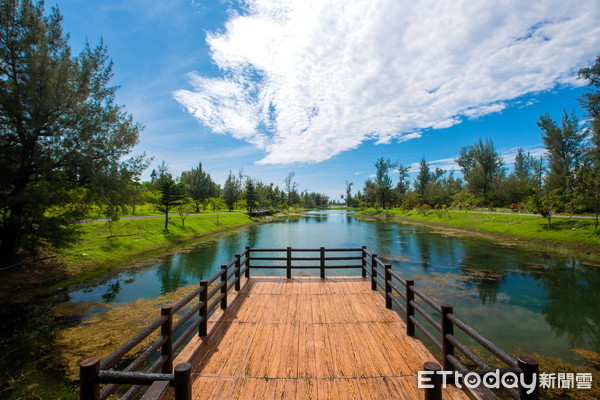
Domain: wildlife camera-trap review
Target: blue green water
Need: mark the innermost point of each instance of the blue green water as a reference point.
(519, 299)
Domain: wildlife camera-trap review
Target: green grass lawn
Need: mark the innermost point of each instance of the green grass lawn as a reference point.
(566, 235)
(101, 245)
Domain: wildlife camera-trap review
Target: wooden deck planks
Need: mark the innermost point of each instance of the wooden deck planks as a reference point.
(307, 338)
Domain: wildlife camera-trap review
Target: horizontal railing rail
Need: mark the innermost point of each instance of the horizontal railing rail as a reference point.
(292, 262)
(154, 362)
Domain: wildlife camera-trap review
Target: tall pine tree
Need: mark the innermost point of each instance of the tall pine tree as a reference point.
(62, 133)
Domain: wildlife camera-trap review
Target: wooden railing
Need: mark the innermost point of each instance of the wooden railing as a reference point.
(203, 301)
(407, 298)
(211, 295)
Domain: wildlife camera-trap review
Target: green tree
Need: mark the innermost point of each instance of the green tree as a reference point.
(232, 190)
(442, 188)
(183, 208)
(547, 204)
(403, 186)
(481, 166)
(524, 179)
(423, 178)
(370, 192)
(250, 196)
(61, 129)
(217, 204)
(291, 189)
(383, 180)
(564, 145)
(172, 194)
(589, 177)
(199, 185)
(349, 194)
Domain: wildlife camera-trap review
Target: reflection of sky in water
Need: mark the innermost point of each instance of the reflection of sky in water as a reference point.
(544, 304)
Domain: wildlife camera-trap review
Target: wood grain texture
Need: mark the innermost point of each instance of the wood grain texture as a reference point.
(307, 338)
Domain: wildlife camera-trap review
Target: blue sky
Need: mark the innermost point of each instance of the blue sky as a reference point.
(325, 87)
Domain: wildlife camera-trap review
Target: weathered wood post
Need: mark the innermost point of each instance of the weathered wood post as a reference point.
(447, 329)
(434, 392)
(166, 330)
(322, 252)
(530, 369)
(363, 261)
(388, 286)
(183, 381)
(410, 310)
(203, 312)
(89, 388)
(224, 287)
(238, 266)
(373, 271)
(248, 262)
(289, 263)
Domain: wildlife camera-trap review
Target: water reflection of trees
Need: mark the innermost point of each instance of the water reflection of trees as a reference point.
(573, 309)
(170, 273)
(112, 290)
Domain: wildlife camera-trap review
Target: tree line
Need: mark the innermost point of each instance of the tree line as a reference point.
(196, 191)
(565, 179)
(66, 143)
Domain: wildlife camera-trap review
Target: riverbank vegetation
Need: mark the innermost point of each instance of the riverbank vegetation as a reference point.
(567, 236)
(103, 246)
(566, 179)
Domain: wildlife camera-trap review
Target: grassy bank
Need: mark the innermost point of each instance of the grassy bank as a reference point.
(103, 246)
(571, 237)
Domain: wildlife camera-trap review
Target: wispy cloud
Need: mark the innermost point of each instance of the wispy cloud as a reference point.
(446, 164)
(306, 80)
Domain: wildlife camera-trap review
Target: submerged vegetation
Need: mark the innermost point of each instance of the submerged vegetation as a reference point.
(100, 334)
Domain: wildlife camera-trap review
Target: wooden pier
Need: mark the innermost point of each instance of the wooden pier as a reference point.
(307, 338)
(297, 337)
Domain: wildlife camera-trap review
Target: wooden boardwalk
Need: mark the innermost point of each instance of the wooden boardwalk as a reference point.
(307, 338)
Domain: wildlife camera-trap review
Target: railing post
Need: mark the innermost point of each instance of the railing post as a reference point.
(447, 329)
(410, 310)
(247, 262)
(238, 266)
(530, 369)
(166, 329)
(183, 381)
(289, 263)
(434, 391)
(89, 388)
(203, 312)
(322, 262)
(363, 262)
(373, 271)
(388, 286)
(224, 287)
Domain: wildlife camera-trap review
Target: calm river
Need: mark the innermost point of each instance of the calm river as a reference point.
(519, 299)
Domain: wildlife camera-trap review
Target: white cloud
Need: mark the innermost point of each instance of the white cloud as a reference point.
(306, 80)
(509, 155)
(446, 164)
